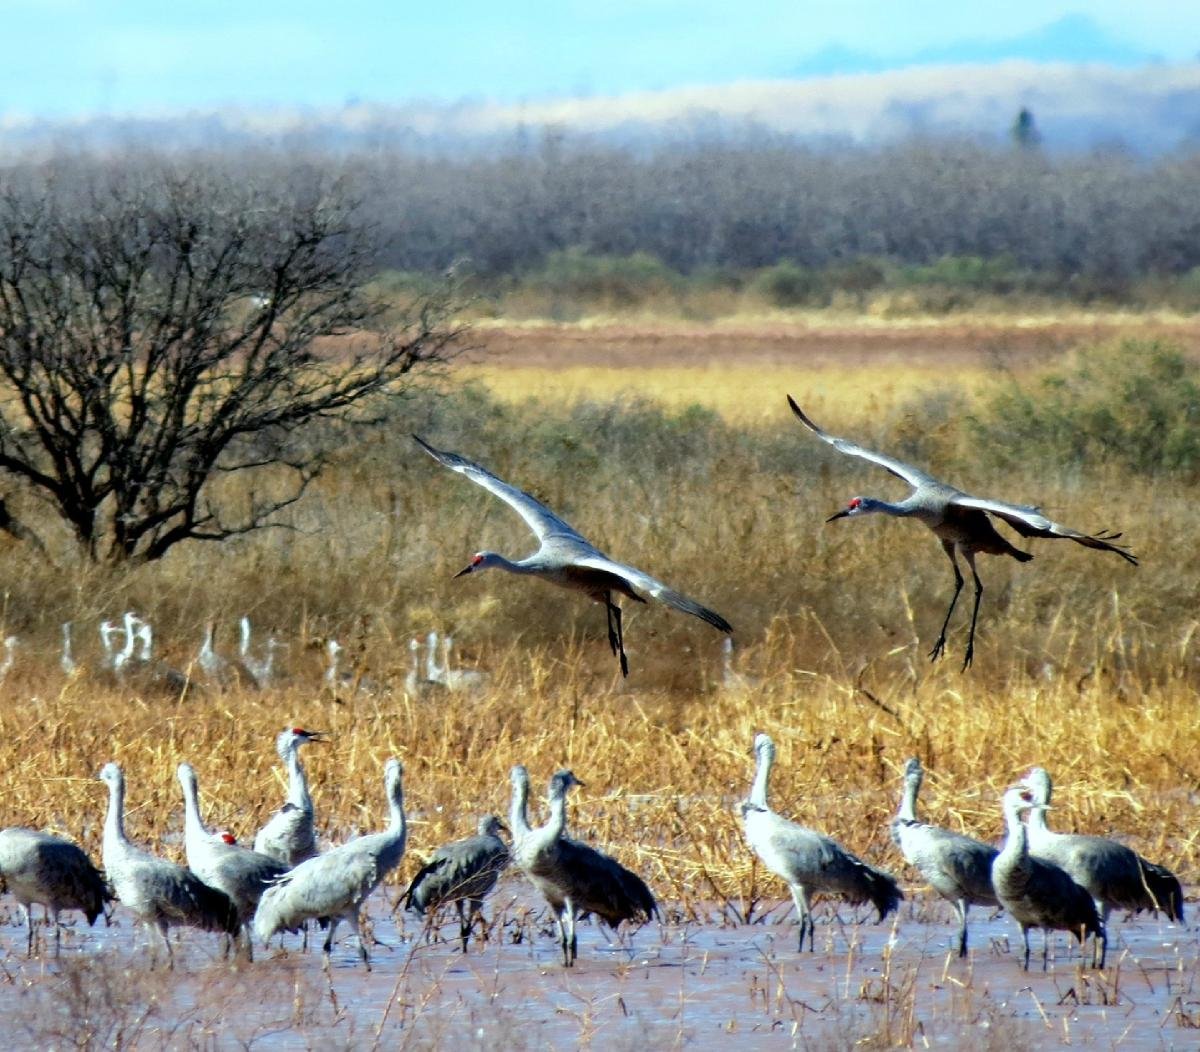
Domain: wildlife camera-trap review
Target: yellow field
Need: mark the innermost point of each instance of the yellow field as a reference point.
(1084, 665)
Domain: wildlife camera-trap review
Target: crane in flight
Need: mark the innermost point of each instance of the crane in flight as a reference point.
(566, 558)
(960, 521)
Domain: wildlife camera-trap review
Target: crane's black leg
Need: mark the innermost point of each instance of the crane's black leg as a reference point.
(970, 557)
(963, 907)
(1025, 937)
(615, 638)
(940, 645)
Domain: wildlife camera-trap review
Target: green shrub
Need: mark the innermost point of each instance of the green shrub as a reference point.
(1135, 404)
(788, 284)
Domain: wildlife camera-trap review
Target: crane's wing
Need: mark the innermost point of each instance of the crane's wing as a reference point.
(654, 587)
(1030, 522)
(537, 516)
(913, 476)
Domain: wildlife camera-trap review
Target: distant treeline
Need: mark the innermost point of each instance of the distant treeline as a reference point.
(841, 216)
(1101, 220)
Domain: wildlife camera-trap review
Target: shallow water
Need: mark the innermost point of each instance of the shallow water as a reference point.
(691, 985)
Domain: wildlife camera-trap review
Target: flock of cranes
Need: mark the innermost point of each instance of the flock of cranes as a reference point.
(1043, 879)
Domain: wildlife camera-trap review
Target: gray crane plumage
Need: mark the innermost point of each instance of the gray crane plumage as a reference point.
(957, 867)
(462, 872)
(808, 861)
(159, 893)
(242, 874)
(39, 867)
(959, 520)
(290, 835)
(574, 878)
(336, 884)
(1037, 893)
(566, 558)
(1114, 875)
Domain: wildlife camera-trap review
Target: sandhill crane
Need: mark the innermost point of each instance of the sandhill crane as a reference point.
(1113, 874)
(290, 835)
(417, 683)
(1038, 893)
(565, 558)
(806, 860)
(239, 872)
(337, 883)
(957, 867)
(574, 878)
(148, 671)
(258, 670)
(959, 520)
(66, 660)
(159, 893)
(39, 867)
(462, 872)
(458, 679)
(10, 656)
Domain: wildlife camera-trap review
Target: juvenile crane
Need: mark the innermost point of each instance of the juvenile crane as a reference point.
(808, 861)
(39, 867)
(336, 884)
(290, 836)
(957, 867)
(243, 875)
(462, 872)
(1113, 874)
(574, 878)
(1037, 893)
(959, 520)
(565, 558)
(159, 893)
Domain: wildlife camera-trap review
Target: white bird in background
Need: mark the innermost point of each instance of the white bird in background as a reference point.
(566, 558)
(960, 521)
(459, 679)
(10, 656)
(417, 683)
(67, 661)
(337, 884)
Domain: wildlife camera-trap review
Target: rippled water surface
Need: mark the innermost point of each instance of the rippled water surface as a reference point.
(674, 985)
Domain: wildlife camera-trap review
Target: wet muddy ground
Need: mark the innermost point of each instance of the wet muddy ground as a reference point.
(690, 985)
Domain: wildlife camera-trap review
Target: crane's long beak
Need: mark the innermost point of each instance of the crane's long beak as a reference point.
(318, 736)
(465, 570)
(840, 515)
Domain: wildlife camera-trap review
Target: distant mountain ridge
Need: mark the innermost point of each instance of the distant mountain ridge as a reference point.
(1074, 38)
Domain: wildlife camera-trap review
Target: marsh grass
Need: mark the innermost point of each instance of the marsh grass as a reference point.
(1085, 665)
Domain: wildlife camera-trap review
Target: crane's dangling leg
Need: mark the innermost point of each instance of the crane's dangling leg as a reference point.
(962, 905)
(940, 645)
(970, 557)
(615, 638)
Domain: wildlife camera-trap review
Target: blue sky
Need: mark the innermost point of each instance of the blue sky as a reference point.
(83, 57)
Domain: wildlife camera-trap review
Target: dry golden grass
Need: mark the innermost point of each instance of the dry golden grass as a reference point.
(1084, 664)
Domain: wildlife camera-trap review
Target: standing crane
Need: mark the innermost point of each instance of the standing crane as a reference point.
(39, 867)
(290, 835)
(239, 872)
(959, 520)
(574, 878)
(957, 867)
(1037, 893)
(806, 860)
(462, 872)
(1113, 874)
(565, 558)
(66, 660)
(159, 893)
(336, 884)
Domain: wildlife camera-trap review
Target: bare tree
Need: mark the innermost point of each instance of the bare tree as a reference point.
(167, 324)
